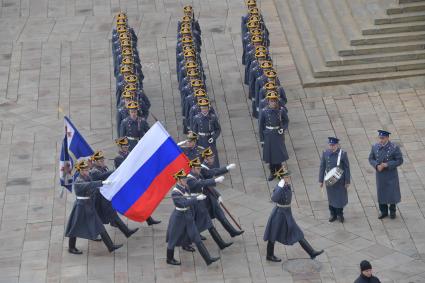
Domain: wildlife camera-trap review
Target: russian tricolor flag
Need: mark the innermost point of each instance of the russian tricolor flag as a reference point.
(146, 175)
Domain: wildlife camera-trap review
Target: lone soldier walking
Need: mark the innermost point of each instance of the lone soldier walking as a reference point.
(281, 226)
(385, 157)
(337, 193)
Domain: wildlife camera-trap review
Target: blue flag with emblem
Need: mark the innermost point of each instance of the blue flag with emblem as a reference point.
(74, 148)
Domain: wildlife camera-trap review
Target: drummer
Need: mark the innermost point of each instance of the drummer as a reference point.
(337, 192)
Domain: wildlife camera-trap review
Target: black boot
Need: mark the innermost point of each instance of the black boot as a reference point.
(108, 242)
(152, 221)
(124, 228)
(170, 257)
(202, 237)
(229, 228)
(205, 254)
(188, 248)
(272, 171)
(217, 238)
(71, 246)
(270, 253)
(308, 248)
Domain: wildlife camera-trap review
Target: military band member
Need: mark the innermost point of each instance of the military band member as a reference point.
(337, 193)
(83, 221)
(385, 157)
(207, 127)
(272, 125)
(281, 226)
(133, 127)
(214, 198)
(182, 229)
(190, 147)
(104, 209)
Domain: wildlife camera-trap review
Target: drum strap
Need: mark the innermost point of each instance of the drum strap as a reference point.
(339, 158)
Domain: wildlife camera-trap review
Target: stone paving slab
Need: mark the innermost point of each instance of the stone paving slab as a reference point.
(55, 59)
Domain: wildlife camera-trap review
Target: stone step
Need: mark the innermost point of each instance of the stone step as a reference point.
(407, 8)
(409, 1)
(345, 18)
(316, 82)
(395, 37)
(377, 58)
(368, 69)
(383, 48)
(401, 18)
(395, 28)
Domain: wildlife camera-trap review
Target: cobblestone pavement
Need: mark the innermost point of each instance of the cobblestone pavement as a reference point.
(55, 58)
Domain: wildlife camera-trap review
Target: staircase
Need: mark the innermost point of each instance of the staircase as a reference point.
(349, 41)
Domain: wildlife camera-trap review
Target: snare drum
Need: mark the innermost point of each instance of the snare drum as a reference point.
(333, 176)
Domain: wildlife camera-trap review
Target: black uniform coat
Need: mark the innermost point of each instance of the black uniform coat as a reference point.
(213, 206)
(281, 226)
(337, 194)
(182, 229)
(274, 149)
(387, 180)
(196, 185)
(83, 221)
(103, 206)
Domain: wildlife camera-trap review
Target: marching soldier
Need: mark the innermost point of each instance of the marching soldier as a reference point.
(123, 151)
(385, 157)
(189, 101)
(281, 226)
(190, 147)
(272, 125)
(337, 193)
(104, 209)
(133, 127)
(207, 127)
(196, 185)
(214, 198)
(83, 221)
(257, 70)
(182, 229)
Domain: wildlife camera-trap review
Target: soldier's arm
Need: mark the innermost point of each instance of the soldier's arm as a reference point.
(397, 159)
(122, 130)
(285, 119)
(91, 187)
(346, 168)
(277, 193)
(261, 126)
(372, 159)
(182, 201)
(322, 168)
(217, 128)
(96, 175)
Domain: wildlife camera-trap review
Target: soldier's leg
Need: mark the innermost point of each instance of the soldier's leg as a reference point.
(309, 249)
(152, 221)
(393, 209)
(270, 252)
(123, 228)
(383, 207)
(272, 171)
(217, 238)
(71, 246)
(170, 257)
(332, 211)
(108, 242)
(205, 254)
(226, 224)
(340, 214)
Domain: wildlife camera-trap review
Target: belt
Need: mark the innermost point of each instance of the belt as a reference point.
(182, 208)
(133, 138)
(283, 205)
(206, 134)
(83, 197)
(272, 128)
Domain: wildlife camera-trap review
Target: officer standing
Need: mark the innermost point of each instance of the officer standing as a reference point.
(337, 193)
(385, 157)
(281, 226)
(207, 127)
(182, 229)
(214, 198)
(133, 127)
(190, 147)
(272, 125)
(83, 222)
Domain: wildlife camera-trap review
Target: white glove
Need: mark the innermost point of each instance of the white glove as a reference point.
(219, 179)
(281, 183)
(220, 199)
(201, 197)
(210, 140)
(231, 166)
(106, 182)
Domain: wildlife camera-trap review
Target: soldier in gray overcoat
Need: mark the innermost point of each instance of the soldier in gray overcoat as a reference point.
(133, 127)
(196, 185)
(214, 198)
(182, 229)
(190, 147)
(272, 124)
(337, 193)
(83, 221)
(281, 226)
(385, 157)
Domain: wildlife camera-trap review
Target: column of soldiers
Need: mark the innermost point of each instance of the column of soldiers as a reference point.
(195, 197)
(267, 96)
(91, 210)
